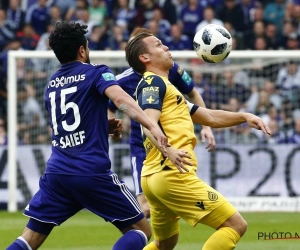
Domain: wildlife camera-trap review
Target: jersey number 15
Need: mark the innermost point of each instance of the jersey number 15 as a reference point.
(63, 108)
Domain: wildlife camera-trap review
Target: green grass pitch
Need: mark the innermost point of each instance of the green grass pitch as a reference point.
(85, 231)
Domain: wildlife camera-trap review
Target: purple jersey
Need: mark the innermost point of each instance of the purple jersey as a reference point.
(129, 79)
(77, 108)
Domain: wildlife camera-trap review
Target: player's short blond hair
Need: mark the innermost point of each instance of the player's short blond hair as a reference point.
(137, 31)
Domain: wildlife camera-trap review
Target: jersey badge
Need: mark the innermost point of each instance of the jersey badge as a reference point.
(150, 95)
(108, 77)
(186, 78)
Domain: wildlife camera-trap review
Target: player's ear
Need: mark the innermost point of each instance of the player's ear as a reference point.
(81, 52)
(144, 57)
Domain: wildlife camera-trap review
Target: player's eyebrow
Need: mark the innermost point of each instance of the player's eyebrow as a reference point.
(158, 42)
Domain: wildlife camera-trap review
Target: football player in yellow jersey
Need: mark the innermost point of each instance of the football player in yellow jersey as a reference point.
(174, 194)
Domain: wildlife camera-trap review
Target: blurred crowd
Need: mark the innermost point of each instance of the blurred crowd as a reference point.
(254, 25)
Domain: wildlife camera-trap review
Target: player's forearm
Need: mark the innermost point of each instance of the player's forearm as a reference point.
(228, 119)
(219, 118)
(152, 139)
(131, 108)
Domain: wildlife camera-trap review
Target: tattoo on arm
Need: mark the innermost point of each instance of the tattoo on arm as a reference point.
(123, 107)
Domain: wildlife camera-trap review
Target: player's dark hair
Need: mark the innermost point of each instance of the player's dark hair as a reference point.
(134, 49)
(66, 39)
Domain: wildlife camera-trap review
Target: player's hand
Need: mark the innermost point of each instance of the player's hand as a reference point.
(206, 133)
(257, 123)
(179, 158)
(115, 129)
(162, 140)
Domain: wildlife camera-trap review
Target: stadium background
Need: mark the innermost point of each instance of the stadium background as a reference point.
(245, 163)
(269, 89)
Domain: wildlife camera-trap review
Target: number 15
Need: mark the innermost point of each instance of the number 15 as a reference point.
(63, 108)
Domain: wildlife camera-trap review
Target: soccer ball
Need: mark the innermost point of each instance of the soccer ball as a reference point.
(212, 43)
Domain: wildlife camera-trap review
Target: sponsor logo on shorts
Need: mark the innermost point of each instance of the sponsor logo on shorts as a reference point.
(212, 196)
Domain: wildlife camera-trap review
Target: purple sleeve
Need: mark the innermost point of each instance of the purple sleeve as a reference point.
(181, 79)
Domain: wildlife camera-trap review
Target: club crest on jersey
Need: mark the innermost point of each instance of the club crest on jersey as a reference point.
(108, 76)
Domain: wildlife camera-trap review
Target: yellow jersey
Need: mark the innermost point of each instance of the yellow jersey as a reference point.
(157, 92)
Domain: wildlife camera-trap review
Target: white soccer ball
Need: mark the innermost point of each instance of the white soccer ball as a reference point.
(212, 43)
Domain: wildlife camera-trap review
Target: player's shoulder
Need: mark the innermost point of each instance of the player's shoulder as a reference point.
(181, 78)
(100, 69)
(96, 67)
(127, 74)
(176, 68)
(150, 78)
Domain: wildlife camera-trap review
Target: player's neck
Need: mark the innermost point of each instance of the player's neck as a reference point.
(72, 62)
(158, 71)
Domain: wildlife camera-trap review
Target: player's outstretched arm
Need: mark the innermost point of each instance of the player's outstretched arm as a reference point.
(206, 132)
(125, 103)
(222, 119)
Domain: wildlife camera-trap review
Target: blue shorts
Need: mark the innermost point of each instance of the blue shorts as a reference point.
(137, 158)
(61, 196)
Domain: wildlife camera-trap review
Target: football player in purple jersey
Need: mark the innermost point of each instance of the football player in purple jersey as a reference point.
(78, 173)
(129, 80)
